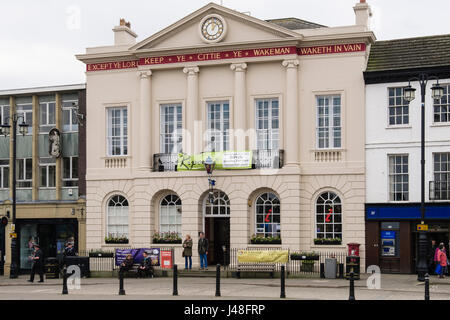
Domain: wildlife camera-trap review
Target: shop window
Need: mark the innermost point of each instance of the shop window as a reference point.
(267, 215)
(4, 173)
(328, 216)
(24, 172)
(70, 171)
(171, 125)
(117, 139)
(398, 178)
(442, 106)
(117, 217)
(47, 172)
(267, 124)
(398, 107)
(170, 214)
(328, 125)
(218, 126)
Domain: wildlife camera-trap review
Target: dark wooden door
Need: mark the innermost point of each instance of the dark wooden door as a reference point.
(372, 243)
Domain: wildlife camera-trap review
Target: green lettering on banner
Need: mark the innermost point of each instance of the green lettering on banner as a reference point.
(225, 160)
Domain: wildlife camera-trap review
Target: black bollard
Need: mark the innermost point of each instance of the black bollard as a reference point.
(352, 286)
(175, 280)
(283, 290)
(121, 289)
(427, 286)
(65, 291)
(218, 280)
(322, 270)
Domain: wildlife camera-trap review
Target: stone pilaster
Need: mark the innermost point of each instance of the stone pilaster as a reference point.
(145, 114)
(239, 107)
(190, 145)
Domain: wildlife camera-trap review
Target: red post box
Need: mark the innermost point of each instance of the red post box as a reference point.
(353, 249)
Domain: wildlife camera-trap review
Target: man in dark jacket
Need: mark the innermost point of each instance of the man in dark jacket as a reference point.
(203, 246)
(146, 268)
(38, 263)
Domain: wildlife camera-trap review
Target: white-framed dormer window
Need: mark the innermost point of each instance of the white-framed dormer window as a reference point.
(117, 131)
(4, 173)
(398, 107)
(328, 122)
(267, 116)
(442, 106)
(218, 126)
(70, 171)
(47, 116)
(69, 115)
(24, 172)
(171, 125)
(47, 172)
(398, 177)
(25, 111)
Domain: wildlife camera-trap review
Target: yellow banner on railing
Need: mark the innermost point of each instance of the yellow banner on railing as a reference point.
(255, 256)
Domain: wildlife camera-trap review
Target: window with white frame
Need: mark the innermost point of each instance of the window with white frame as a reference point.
(117, 217)
(442, 106)
(24, 172)
(398, 107)
(217, 204)
(171, 126)
(117, 139)
(328, 216)
(218, 126)
(267, 124)
(26, 112)
(47, 172)
(70, 171)
(329, 127)
(4, 114)
(267, 215)
(441, 168)
(170, 214)
(4, 173)
(47, 116)
(398, 178)
(69, 115)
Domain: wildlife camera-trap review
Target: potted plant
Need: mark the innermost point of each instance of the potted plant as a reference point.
(100, 254)
(256, 239)
(167, 237)
(327, 241)
(116, 239)
(307, 256)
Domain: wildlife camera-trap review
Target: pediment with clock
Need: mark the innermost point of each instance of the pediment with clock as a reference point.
(213, 25)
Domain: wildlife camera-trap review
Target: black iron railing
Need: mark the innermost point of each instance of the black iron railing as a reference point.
(165, 162)
(439, 190)
(268, 159)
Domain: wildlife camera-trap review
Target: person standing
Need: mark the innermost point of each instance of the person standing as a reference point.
(203, 246)
(442, 259)
(38, 264)
(432, 264)
(187, 252)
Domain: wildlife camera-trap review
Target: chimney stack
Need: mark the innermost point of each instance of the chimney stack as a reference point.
(362, 14)
(123, 35)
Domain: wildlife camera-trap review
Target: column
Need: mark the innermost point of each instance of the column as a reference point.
(58, 167)
(143, 135)
(12, 110)
(239, 109)
(190, 143)
(35, 148)
(291, 137)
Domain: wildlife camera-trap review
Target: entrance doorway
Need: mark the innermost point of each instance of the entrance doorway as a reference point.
(216, 222)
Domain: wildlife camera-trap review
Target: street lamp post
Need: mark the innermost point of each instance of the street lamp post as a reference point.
(409, 95)
(5, 130)
(209, 166)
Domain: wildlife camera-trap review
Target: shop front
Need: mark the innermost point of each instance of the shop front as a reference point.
(51, 234)
(392, 236)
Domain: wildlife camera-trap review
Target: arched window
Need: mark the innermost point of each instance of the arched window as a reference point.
(267, 215)
(117, 217)
(328, 216)
(217, 204)
(170, 214)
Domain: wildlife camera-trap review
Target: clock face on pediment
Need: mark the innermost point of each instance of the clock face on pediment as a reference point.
(212, 28)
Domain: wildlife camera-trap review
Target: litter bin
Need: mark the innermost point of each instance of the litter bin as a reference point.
(352, 263)
(51, 268)
(330, 268)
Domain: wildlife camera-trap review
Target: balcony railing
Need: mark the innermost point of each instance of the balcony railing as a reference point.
(165, 162)
(268, 159)
(439, 190)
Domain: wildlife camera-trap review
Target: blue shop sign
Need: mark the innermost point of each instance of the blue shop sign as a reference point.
(402, 212)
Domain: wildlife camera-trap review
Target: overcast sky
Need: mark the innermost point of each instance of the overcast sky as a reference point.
(38, 39)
